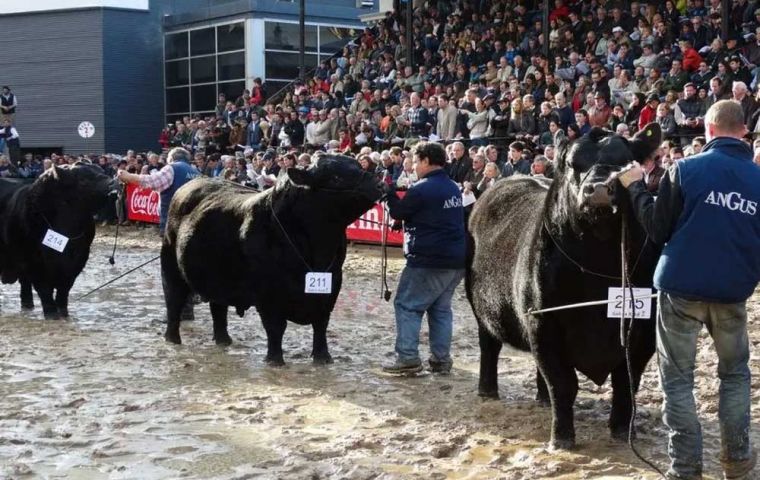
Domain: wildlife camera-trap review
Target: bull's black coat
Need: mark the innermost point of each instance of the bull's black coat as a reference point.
(225, 243)
(61, 199)
(520, 228)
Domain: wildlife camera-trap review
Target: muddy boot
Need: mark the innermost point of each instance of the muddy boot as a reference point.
(740, 470)
(188, 313)
(440, 367)
(403, 367)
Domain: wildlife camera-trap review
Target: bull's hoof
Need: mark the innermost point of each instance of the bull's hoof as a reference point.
(489, 394)
(52, 315)
(322, 359)
(274, 361)
(173, 338)
(562, 444)
(223, 341)
(27, 305)
(63, 313)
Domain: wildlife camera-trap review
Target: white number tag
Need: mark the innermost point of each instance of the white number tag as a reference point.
(55, 240)
(318, 282)
(641, 298)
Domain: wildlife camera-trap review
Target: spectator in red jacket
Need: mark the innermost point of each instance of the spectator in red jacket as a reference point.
(649, 112)
(560, 11)
(257, 96)
(691, 58)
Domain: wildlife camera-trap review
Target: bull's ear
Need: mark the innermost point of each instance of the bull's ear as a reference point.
(300, 177)
(646, 141)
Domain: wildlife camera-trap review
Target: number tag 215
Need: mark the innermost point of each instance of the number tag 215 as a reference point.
(643, 305)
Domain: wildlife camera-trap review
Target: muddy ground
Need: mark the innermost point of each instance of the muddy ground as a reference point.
(102, 396)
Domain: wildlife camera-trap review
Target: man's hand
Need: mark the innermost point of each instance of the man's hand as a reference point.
(633, 174)
(122, 176)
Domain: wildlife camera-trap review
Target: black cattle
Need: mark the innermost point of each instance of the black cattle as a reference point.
(63, 200)
(242, 249)
(539, 244)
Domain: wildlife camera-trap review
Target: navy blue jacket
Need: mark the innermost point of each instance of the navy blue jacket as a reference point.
(183, 173)
(707, 215)
(433, 222)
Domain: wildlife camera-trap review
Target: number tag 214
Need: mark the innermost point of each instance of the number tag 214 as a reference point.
(318, 283)
(55, 240)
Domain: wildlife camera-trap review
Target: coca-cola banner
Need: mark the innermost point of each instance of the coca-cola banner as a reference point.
(143, 204)
(368, 228)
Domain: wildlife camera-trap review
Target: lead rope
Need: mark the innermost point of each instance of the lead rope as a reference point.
(112, 259)
(384, 262)
(625, 339)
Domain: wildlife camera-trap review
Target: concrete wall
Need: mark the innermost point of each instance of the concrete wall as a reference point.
(53, 62)
(132, 80)
(98, 65)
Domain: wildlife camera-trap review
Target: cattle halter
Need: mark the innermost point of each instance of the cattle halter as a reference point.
(293, 245)
(50, 226)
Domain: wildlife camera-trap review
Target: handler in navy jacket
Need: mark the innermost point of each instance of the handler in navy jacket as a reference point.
(167, 181)
(706, 214)
(434, 247)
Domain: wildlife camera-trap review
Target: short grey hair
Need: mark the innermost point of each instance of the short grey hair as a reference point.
(178, 154)
(726, 115)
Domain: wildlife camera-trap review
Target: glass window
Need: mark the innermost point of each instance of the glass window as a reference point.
(231, 66)
(178, 100)
(204, 98)
(232, 90)
(284, 36)
(203, 69)
(274, 86)
(202, 42)
(284, 66)
(175, 45)
(176, 73)
(333, 39)
(230, 37)
(173, 118)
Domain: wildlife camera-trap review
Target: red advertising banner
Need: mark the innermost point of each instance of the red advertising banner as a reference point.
(369, 229)
(143, 204)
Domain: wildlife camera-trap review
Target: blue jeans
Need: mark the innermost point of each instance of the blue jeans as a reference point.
(679, 322)
(423, 290)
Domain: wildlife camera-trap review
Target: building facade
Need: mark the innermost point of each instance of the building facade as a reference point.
(130, 66)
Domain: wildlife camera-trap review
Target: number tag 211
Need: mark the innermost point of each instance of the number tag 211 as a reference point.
(318, 283)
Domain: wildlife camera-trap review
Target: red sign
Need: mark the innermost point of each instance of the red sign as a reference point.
(369, 228)
(143, 204)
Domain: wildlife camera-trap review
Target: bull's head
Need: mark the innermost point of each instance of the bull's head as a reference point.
(589, 165)
(346, 189)
(78, 188)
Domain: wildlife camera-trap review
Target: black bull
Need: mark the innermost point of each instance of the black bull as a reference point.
(539, 244)
(242, 249)
(63, 199)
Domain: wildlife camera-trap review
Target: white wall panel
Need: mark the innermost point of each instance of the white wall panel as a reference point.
(26, 6)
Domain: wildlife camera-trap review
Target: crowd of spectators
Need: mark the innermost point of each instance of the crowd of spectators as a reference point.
(479, 81)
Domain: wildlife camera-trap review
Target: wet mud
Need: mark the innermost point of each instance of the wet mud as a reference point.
(102, 396)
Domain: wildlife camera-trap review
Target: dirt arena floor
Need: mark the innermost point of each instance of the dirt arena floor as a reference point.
(102, 396)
